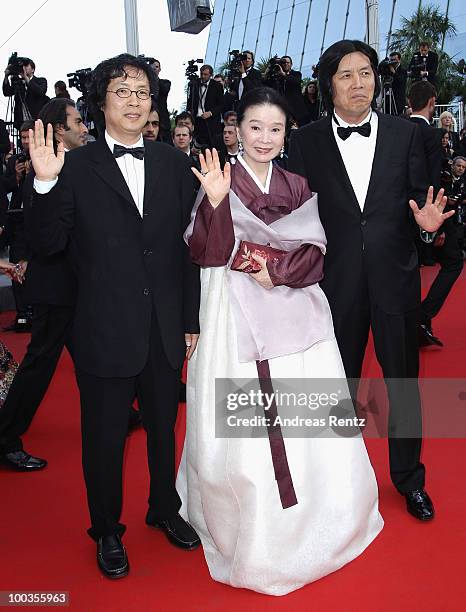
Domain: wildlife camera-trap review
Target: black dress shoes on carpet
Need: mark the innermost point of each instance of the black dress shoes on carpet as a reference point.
(419, 504)
(111, 557)
(178, 531)
(426, 336)
(22, 461)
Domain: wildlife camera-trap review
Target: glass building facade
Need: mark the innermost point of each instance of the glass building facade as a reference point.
(302, 29)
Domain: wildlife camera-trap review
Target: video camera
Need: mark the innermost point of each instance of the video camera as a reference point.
(80, 80)
(274, 69)
(236, 59)
(416, 66)
(192, 69)
(16, 64)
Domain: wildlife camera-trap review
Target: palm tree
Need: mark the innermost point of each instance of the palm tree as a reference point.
(429, 24)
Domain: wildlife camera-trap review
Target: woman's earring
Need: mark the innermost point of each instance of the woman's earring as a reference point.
(282, 151)
(240, 146)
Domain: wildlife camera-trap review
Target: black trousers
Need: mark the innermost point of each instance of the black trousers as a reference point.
(396, 347)
(104, 424)
(51, 326)
(450, 257)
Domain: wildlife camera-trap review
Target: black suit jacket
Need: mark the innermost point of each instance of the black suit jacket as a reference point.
(34, 99)
(127, 265)
(374, 247)
(252, 80)
(213, 102)
(432, 150)
(431, 65)
(162, 101)
(49, 280)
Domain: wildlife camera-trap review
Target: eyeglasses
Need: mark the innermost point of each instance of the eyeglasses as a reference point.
(124, 92)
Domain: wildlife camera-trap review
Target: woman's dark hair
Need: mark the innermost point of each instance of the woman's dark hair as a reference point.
(259, 96)
(111, 69)
(54, 112)
(330, 60)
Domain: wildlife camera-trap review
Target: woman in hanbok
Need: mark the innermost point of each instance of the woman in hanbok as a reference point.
(273, 513)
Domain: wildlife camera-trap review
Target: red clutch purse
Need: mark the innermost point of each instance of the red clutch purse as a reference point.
(243, 262)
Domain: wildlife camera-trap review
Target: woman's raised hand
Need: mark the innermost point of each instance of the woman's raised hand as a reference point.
(216, 183)
(47, 164)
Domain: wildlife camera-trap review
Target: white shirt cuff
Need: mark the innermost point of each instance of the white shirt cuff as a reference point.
(43, 187)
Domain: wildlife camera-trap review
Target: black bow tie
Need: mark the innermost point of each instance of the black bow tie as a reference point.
(119, 151)
(345, 132)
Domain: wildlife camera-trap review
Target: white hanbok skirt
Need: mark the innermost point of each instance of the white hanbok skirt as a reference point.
(227, 486)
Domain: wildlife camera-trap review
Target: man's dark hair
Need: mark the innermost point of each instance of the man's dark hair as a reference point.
(208, 67)
(251, 53)
(286, 57)
(420, 94)
(230, 113)
(397, 53)
(183, 116)
(26, 125)
(182, 126)
(111, 69)
(425, 44)
(260, 96)
(54, 112)
(330, 60)
(29, 62)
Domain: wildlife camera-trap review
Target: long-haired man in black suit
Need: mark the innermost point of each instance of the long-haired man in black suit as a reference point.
(121, 205)
(368, 170)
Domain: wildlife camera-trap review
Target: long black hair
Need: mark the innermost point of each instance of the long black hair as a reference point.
(111, 69)
(259, 96)
(330, 60)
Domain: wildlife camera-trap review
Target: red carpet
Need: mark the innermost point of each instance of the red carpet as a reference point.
(43, 517)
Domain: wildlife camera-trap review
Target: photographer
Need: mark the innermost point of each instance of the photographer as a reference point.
(29, 91)
(247, 77)
(280, 76)
(162, 101)
(16, 170)
(205, 101)
(423, 65)
(448, 251)
(394, 76)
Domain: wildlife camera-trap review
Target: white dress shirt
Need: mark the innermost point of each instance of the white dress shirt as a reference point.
(131, 168)
(357, 153)
(203, 87)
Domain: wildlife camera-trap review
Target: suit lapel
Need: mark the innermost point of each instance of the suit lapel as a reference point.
(151, 173)
(329, 143)
(383, 144)
(107, 168)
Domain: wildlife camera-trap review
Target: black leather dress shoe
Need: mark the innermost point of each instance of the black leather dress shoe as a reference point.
(178, 531)
(419, 505)
(111, 557)
(426, 336)
(22, 462)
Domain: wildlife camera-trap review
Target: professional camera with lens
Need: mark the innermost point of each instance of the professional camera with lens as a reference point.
(236, 59)
(80, 79)
(385, 69)
(192, 69)
(16, 64)
(274, 69)
(416, 66)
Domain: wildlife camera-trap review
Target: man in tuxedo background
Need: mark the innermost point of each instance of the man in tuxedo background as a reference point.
(424, 65)
(205, 102)
(121, 205)
(51, 288)
(250, 77)
(28, 90)
(368, 170)
(162, 102)
(400, 77)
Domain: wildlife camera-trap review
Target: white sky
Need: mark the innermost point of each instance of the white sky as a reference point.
(65, 36)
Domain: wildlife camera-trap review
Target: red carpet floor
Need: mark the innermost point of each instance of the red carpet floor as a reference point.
(43, 516)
